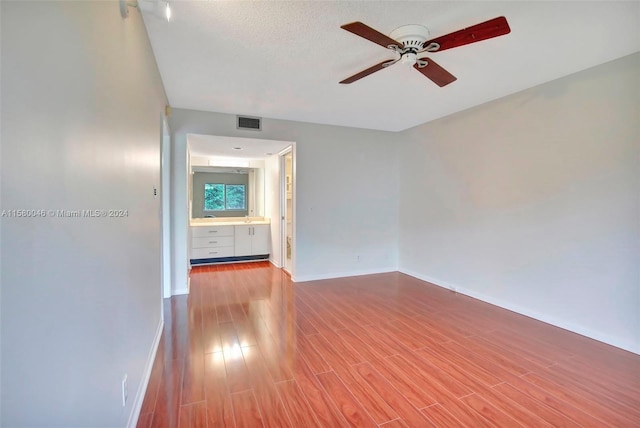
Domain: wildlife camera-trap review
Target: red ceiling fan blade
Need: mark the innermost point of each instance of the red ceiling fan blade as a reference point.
(437, 74)
(364, 31)
(486, 30)
(368, 71)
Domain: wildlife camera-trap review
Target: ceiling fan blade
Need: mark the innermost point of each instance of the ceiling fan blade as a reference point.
(364, 31)
(437, 74)
(486, 30)
(368, 71)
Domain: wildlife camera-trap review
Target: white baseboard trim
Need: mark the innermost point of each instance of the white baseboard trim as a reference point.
(180, 291)
(546, 318)
(142, 388)
(274, 263)
(305, 278)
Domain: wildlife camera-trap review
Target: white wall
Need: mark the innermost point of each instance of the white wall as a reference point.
(257, 208)
(533, 202)
(82, 102)
(346, 204)
(165, 195)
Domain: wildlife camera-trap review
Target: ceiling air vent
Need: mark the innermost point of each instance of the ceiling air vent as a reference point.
(247, 122)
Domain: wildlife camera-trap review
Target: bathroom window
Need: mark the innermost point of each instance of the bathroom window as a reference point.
(221, 197)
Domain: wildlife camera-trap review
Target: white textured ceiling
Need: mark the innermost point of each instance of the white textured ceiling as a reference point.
(233, 147)
(284, 59)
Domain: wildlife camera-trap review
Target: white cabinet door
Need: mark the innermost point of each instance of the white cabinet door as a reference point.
(243, 240)
(260, 243)
(252, 240)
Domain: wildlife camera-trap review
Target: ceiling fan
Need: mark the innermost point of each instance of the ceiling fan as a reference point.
(409, 41)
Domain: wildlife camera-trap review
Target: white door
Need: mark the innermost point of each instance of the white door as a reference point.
(287, 175)
(260, 240)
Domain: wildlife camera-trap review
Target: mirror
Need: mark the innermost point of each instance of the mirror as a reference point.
(227, 192)
(212, 154)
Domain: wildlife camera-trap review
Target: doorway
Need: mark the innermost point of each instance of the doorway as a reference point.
(207, 151)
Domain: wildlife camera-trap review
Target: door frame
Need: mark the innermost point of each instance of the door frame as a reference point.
(283, 209)
(181, 229)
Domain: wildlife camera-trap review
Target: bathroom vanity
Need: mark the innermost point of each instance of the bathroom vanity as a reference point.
(222, 240)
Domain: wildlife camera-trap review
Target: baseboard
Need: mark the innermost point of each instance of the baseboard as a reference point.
(430, 280)
(275, 264)
(180, 291)
(546, 318)
(305, 278)
(142, 388)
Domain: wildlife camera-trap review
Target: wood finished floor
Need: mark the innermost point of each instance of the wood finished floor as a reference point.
(249, 348)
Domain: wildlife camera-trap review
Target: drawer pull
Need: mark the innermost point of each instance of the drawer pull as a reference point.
(213, 231)
(213, 252)
(213, 242)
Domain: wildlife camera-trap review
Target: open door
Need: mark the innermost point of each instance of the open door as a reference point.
(286, 166)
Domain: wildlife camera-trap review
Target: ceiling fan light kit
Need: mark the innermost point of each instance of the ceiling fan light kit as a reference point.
(410, 41)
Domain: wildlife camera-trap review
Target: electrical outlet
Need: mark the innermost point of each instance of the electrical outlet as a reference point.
(125, 390)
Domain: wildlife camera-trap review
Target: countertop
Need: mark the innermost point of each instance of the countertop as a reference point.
(228, 221)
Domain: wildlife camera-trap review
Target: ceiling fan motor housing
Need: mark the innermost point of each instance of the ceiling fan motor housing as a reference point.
(411, 36)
